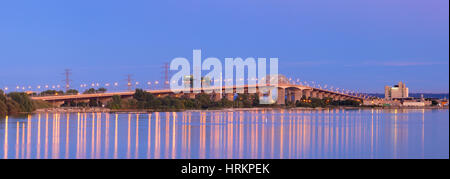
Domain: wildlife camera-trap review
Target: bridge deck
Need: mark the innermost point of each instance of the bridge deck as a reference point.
(168, 91)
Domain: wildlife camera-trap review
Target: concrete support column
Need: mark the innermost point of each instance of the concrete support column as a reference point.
(298, 95)
(314, 94)
(337, 97)
(281, 96)
(307, 93)
(81, 100)
(320, 95)
(333, 96)
(289, 94)
(57, 103)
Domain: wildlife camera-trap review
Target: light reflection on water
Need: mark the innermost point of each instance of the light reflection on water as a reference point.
(336, 133)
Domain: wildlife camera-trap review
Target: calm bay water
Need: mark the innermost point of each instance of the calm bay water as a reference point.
(407, 133)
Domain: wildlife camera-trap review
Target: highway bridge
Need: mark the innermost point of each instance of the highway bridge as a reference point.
(286, 92)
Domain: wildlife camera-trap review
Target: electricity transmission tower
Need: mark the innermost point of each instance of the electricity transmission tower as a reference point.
(67, 73)
(129, 82)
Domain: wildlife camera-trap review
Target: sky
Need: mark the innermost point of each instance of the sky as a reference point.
(351, 44)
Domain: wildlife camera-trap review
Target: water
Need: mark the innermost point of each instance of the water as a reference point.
(272, 134)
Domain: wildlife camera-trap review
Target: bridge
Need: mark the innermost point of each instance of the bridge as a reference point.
(285, 91)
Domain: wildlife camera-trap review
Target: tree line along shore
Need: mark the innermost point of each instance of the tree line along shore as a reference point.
(144, 100)
(17, 102)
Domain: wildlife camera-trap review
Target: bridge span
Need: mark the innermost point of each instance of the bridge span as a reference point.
(286, 92)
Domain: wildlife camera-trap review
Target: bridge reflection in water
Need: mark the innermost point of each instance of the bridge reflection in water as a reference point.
(229, 134)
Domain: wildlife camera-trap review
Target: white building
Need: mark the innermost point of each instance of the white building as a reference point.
(397, 91)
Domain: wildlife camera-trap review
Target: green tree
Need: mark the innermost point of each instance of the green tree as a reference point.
(3, 107)
(24, 101)
(204, 100)
(51, 93)
(115, 103)
(101, 90)
(316, 102)
(71, 91)
(226, 103)
(89, 91)
(178, 104)
(244, 101)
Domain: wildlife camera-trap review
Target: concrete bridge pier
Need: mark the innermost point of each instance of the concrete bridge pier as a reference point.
(314, 94)
(337, 98)
(320, 95)
(297, 95)
(289, 95)
(307, 93)
(332, 96)
(281, 96)
(57, 104)
(81, 101)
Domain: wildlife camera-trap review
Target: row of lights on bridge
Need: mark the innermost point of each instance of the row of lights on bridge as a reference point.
(149, 83)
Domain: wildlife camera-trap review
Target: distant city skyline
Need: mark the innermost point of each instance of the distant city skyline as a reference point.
(351, 44)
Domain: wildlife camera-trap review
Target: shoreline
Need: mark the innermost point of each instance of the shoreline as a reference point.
(107, 110)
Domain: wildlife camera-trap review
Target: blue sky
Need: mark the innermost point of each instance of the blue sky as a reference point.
(352, 44)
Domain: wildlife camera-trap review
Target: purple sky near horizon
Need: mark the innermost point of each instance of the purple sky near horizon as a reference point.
(351, 44)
